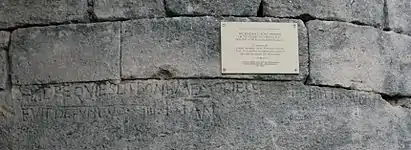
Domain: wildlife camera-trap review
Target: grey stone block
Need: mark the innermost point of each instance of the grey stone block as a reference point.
(4, 43)
(359, 57)
(128, 9)
(364, 11)
(403, 102)
(7, 115)
(66, 53)
(202, 114)
(3, 69)
(22, 12)
(399, 14)
(187, 47)
(213, 7)
(400, 62)
(4, 40)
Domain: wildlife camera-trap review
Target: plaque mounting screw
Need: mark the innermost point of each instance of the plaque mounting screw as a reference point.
(224, 69)
(295, 69)
(223, 25)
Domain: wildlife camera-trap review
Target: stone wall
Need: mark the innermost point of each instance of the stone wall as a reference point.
(145, 74)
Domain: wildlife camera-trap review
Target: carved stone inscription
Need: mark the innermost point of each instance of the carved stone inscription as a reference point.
(197, 114)
(141, 110)
(257, 47)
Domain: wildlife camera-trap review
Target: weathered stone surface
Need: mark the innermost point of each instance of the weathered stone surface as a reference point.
(359, 57)
(4, 39)
(202, 114)
(115, 9)
(3, 69)
(4, 43)
(21, 12)
(399, 14)
(364, 11)
(66, 53)
(402, 102)
(187, 47)
(213, 7)
(400, 62)
(7, 113)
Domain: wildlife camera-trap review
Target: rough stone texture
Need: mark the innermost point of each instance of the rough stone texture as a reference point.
(66, 53)
(213, 7)
(202, 114)
(21, 12)
(4, 43)
(3, 69)
(359, 57)
(4, 39)
(119, 9)
(399, 14)
(364, 11)
(400, 63)
(187, 47)
(404, 102)
(67, 92)
(7, 113)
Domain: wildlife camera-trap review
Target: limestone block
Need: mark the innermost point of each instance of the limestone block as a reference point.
(359, 57)
(404, 102)
(203, 114)
(4, 39)
(22, 12)
(66, 53)
(213, 7)
(128, 9)
(364, 11)
(400, 59)
(399, 14)
(3, 69)
(188, 47)
(4, 42)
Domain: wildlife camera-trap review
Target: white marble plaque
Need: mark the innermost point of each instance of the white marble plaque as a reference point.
(259, 48)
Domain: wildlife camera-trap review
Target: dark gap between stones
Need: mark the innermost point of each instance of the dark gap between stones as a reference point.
(90, 11)
(260, 12)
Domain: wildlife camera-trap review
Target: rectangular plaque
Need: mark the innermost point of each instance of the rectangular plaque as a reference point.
(259, 47)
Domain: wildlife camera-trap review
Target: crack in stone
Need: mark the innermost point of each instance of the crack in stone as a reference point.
(8, 60)
(394, 99)
(391, 99)
(168, 12)
(260, 11)
(120, 63)
(386, 23)
(307, 78)
(90, 11)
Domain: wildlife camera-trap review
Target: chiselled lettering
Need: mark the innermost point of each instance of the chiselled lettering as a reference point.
(92, 94)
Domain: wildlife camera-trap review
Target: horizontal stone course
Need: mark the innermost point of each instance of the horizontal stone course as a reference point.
(188, 47)
(202, 114)
(213, 7)
(359, 57)
(364, 11)
(14, 13)
(399, 14)
(66, 53)
(128, 9)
